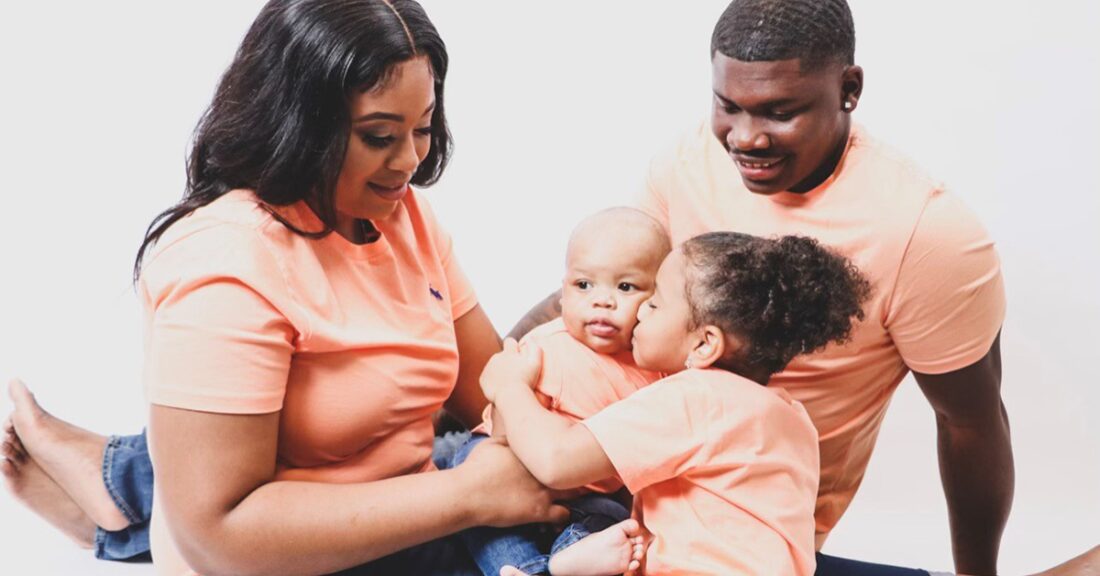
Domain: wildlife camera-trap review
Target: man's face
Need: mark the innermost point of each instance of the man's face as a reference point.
(784, 128)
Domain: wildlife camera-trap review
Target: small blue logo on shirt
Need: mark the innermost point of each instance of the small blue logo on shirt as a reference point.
(435, 293)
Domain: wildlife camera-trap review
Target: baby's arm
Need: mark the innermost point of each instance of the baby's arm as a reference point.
(560, 453)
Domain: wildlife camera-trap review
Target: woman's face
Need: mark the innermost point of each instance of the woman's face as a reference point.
(390, 135)
(663, 337)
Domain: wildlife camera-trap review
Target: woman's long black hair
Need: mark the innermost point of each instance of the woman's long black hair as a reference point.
(279, 121)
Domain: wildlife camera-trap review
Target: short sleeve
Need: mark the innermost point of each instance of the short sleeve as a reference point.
(217, 338)
(948, 302)
(463, 297)
(653, 435)
(653, 198)
(554, 357)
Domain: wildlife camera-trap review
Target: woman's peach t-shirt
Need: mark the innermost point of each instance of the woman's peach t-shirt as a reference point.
(354, 344)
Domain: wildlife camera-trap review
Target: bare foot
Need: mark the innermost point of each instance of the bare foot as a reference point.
(1087, 564)
(72, 456)
(612, 551)
(37, 491)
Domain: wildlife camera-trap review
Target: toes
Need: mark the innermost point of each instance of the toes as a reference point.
(8, 468)
(9, 426)
(10, 452)
(21, 396)
(631, 527)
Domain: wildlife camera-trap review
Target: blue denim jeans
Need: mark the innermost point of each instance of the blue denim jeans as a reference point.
(524, 546)
(446, 556)
(128, 476)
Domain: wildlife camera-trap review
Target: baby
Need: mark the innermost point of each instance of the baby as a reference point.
(724, 470)
(611, 264)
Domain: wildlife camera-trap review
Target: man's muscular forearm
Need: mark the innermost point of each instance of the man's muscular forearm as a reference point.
(975, 452)
(542, 313)
(978, 474)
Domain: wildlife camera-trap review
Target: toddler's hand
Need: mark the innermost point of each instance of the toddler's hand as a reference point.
(515, 365)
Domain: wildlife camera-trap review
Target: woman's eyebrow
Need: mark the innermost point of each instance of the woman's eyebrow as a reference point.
(391, 115)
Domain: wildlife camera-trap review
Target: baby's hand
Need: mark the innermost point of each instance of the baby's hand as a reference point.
(513, 366)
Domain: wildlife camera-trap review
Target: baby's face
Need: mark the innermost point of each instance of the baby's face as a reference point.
(607, 278)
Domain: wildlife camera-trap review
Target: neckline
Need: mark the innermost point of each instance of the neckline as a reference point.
(802, 198)
(307, 220)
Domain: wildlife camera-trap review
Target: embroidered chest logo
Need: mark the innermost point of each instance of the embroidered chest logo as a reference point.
(437, 312)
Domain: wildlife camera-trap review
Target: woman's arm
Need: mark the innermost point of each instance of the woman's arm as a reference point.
(214, 478)
(559, 453)
(477, 342)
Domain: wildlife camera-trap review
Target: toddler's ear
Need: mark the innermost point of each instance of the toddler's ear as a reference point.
(711, 347)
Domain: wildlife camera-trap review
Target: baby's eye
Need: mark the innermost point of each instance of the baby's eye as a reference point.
(627, 287)
(583, 284)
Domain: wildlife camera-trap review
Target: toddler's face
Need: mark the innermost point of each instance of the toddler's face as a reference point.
(663, 336)
(605, 284)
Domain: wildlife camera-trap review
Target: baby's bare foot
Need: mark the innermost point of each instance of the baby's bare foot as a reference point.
(71, 456)
(37, 491)
(612, 551)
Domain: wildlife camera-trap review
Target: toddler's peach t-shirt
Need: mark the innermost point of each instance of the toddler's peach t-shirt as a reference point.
(938, 300)
(724, 473)
(354, 344)
(578, 382)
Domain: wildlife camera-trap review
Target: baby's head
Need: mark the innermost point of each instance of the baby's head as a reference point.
(611, 263)
(747, 305)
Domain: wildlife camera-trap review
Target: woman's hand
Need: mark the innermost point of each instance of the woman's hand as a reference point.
(505, 491)
(514, 366)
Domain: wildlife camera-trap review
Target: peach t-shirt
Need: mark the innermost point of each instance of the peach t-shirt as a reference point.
(724, 473)
(938, 300)
(354, 344)
(578, 382)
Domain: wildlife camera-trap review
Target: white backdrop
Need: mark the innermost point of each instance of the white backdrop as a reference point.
(556, 109)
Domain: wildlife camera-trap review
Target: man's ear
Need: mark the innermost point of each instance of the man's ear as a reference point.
(851, 87)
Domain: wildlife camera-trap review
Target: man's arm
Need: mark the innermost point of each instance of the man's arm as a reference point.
(542, 313)
(975, 454)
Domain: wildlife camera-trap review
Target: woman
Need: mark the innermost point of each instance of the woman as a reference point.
(305, 315)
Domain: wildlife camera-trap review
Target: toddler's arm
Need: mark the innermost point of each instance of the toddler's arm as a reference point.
(559, 453)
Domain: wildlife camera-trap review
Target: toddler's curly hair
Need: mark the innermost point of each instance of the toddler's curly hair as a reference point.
(782, 297)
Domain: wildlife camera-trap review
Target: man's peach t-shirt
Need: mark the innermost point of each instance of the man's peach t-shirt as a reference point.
(723, 471)
(578, 382)
(354, 344)
(938, 300)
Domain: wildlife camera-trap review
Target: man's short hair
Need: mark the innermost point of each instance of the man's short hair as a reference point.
(817, 32)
